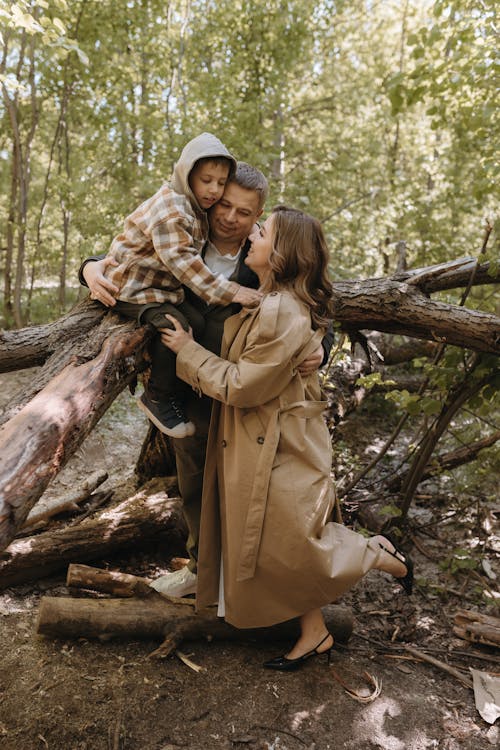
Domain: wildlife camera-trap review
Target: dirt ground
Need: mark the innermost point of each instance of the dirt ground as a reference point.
(91, 695)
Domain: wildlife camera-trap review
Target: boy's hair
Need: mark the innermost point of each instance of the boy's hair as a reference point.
(250, 178)
(218, 160)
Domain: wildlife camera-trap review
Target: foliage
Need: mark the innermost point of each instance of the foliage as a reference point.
(378, 118)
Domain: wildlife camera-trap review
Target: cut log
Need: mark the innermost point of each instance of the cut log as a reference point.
(148, 514)
(112, 582)
(155, 618)
(36, 443)
(46, 509)
(477, 628)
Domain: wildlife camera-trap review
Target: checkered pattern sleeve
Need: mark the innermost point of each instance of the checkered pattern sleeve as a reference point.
(172, 238)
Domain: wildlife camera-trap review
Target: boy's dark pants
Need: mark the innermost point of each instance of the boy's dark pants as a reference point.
(163, 382)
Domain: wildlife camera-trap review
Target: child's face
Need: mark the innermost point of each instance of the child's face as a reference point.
(207, 181)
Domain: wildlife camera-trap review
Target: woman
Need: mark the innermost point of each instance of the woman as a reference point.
(267, 550)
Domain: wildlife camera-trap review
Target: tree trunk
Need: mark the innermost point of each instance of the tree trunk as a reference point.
(47, 509)
(155, 618)
(36, 443)
(148, 514)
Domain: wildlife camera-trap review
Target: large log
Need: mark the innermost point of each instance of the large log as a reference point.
(36, 443)
(148, 514)
(401, 307)
(98, 325)
(153, 618)
(33, 345)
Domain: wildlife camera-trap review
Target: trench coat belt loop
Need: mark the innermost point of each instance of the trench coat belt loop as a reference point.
(258, 499)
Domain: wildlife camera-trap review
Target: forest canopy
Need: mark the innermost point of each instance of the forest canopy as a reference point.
(377, 117)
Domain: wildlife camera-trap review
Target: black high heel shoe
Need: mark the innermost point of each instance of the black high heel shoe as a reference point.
(283, 664)
(407, 580)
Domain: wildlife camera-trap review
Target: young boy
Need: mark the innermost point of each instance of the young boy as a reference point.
(157, 253)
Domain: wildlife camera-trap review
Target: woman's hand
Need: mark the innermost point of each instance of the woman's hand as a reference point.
(100, 287)
(176, 339)
(312, 363)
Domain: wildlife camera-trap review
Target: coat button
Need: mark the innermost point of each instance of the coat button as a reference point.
(260, 440)
(223, 443)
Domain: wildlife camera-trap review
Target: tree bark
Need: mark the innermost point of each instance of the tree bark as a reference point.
(112, 582)
(401, 307)
(47, 509)
(32, 346)
(148, 514)
(155, 618)
(36, 443)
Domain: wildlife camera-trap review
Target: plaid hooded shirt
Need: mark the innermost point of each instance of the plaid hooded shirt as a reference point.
(159, 248)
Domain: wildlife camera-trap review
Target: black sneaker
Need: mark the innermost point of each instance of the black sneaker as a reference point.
(167, 415)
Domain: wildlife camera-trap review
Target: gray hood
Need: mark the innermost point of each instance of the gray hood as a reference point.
(201, 147)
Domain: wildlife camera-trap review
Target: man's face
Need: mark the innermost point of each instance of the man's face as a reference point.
(233, 217)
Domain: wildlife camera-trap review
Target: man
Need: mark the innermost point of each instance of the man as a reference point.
(231, 220)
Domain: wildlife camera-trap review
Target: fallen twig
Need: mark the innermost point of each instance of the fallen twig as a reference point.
(188, 662)
(440, 664)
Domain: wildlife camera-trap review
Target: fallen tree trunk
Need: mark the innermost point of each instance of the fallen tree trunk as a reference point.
(31, 346)
(148, 514)
(400, 302)
(37, 442)
(154, 618)
(47, 509)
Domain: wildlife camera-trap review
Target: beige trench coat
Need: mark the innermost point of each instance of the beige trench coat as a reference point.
(268, 495)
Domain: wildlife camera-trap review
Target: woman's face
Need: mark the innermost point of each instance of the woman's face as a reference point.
(261, 247)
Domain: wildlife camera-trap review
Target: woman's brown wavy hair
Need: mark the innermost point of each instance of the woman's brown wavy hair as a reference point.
(299, 261)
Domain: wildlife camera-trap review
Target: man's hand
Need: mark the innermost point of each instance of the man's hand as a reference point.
(176, 339)
(100, 287)
(247, 297)
(312, 363)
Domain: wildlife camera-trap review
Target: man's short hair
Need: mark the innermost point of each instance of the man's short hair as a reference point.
(250, 178)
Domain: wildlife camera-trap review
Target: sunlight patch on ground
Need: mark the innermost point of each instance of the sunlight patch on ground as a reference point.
(369, 726)
(426, 623)
(301, 716)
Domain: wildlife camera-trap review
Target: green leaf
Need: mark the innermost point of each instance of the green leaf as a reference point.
(391, 510)
(59, 25)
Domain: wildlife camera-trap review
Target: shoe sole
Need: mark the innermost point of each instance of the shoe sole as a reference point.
(166, 431)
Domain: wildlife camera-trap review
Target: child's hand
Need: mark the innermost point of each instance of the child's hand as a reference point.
(100, 287)
(176, 339)
(247, 297)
